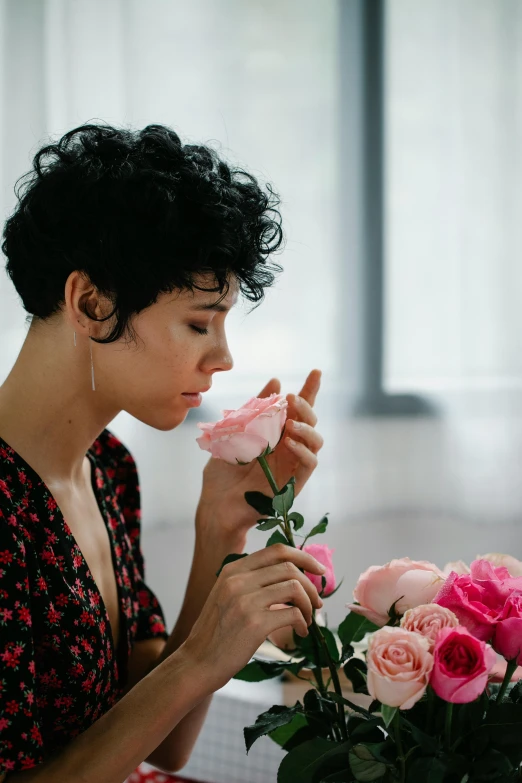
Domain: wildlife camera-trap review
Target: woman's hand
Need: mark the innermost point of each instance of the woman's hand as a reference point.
(237, 615)
(222, 504)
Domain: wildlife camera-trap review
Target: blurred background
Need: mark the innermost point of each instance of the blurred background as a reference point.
(391, 130)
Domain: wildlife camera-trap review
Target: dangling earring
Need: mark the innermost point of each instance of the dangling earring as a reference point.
(92, 365)
(75, 339)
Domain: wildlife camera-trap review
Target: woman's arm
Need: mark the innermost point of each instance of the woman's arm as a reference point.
(175, 750)
(112, 748)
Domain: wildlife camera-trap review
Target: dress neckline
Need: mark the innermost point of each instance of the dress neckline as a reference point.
(38, 481)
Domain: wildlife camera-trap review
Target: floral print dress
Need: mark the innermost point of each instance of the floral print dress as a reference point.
(59, 671)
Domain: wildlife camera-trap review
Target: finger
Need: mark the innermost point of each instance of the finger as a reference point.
(300, 409)
(306, 434)
(271, 555)
(311, 386)
(291, 591)
(282, 572)
(272, 387)
(307, 460)
(280, 618)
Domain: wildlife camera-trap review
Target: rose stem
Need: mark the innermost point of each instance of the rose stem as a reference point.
(431, 707)
(447, 724)
(316, 633)
(398, 742)
(510, 668)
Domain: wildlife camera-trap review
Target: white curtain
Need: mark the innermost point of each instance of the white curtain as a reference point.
(453, 71)
(258, 80)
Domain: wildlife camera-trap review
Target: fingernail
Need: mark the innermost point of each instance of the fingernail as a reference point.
(296, 425)
(290, 441)
(297, 400)
(320, 566)
(321, 602)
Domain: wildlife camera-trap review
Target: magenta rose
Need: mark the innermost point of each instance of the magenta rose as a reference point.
(404, 582)
(244, 434)
(461, 665)
(324, 555)
(513, 565)
(508, 630)
(478, 598)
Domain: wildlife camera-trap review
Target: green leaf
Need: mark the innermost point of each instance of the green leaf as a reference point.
(283, 734)
(230, 559)
(364, 766)
(388, 714)
(343, 776)
(261, 503)
(319, 528)
(306, 646)
(491, 765)
(267, 524)
(283, 501)
(428, 743)
(354, 627)
(346, 653)
(256, 671)
(330, 643)
(428, 769)
(356, 671)
(268, 721)
(318, 754)
(276, 538)
(296, 519)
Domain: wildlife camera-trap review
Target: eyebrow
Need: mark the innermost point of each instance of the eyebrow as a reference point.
(219, 308)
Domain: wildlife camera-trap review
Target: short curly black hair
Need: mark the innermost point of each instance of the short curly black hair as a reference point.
(140, 214)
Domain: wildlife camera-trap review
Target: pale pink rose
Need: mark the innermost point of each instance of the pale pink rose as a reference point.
(244, 434)
(461, 665)
(507, 639)
(407, 582)
(458, 566)
(513, 565)
(478, 598)
(428, 620)
(399, 666)
(324, 555)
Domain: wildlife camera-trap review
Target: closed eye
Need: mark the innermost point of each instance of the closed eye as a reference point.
(198, 329)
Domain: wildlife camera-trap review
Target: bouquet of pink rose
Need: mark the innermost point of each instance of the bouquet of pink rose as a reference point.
(436, 641)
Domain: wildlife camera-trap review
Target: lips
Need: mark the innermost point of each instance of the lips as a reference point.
(198, 391)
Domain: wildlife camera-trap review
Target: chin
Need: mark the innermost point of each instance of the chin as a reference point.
(162, 419)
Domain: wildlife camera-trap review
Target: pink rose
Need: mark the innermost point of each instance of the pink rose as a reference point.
(399, 666)
(478, 598)
(407, 582)
(461, 665)
(324, 556)
(508, 630)
(513, 565)
(244, 434)
(428, 620)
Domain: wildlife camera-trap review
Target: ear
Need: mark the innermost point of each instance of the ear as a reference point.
(272, 387)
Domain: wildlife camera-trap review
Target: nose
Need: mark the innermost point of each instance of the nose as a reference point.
(221, 359)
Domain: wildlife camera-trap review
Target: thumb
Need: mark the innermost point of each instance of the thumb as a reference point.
(272, 387)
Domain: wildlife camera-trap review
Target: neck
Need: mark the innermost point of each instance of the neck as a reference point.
(49, 413)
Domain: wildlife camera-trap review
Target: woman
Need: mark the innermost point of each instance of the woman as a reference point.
(128, 249)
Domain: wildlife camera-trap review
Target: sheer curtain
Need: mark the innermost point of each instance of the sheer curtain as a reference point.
(258, 81)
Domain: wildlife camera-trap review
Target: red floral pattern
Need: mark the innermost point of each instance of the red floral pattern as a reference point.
(59, 671)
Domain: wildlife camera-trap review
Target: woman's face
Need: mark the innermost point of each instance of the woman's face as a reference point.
(180, 344)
